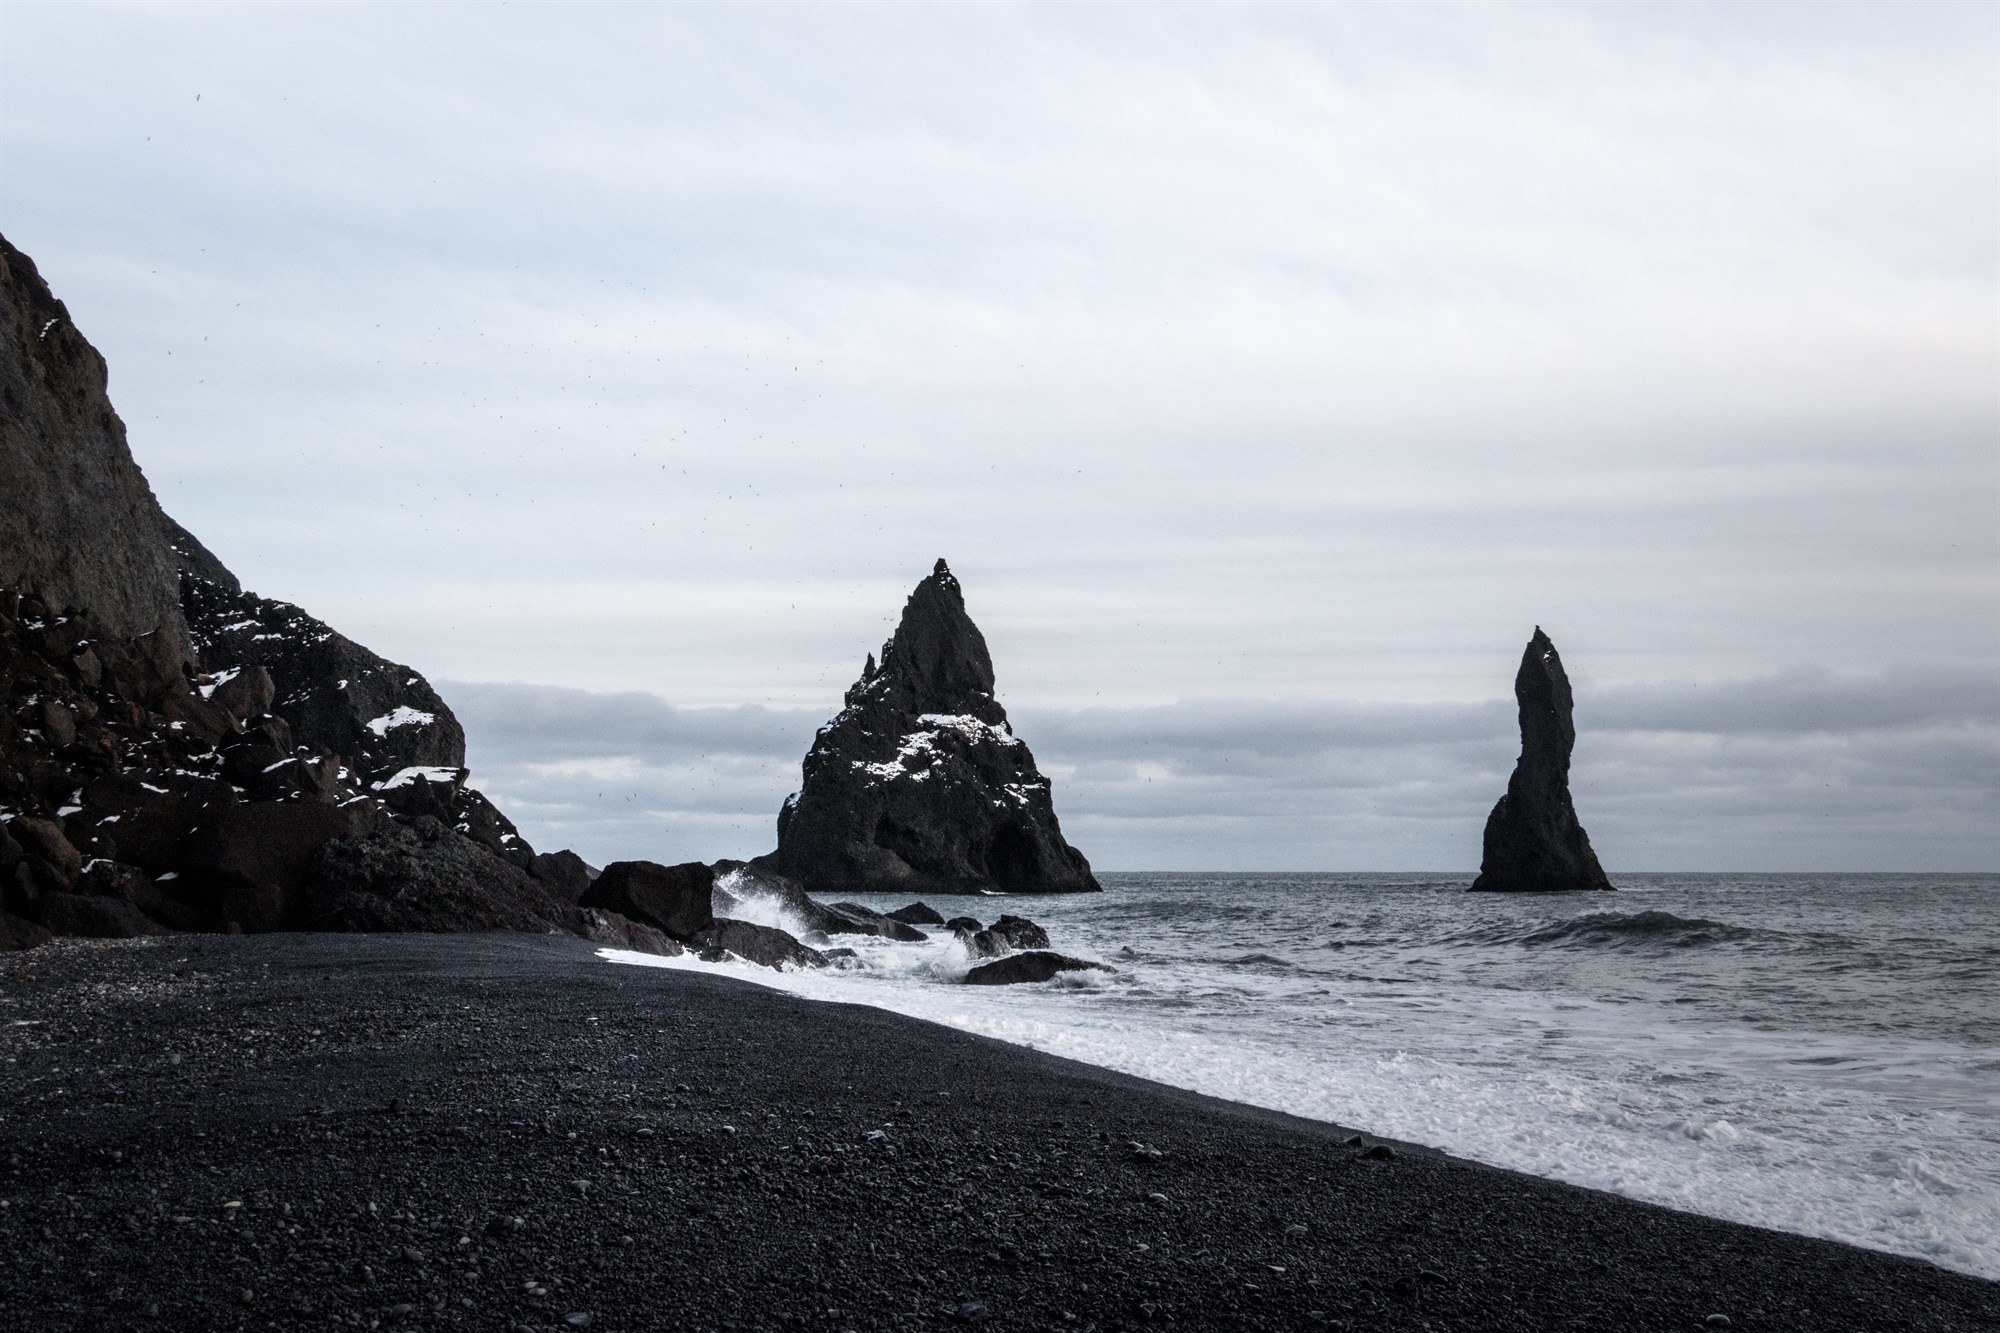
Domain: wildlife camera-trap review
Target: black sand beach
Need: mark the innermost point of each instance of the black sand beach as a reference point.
(501, 1131)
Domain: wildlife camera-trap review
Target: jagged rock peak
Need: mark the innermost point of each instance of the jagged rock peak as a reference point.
(1534, 841)
(919, 783)
(936, 662)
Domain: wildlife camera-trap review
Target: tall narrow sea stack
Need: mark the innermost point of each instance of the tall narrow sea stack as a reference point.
(919, 785)
(1533, 840)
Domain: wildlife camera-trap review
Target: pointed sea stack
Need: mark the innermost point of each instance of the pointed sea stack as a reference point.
(1533, 840)
(919, 784)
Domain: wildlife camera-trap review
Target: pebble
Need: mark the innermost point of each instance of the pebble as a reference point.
(1156, 1198)
(1717, 1321)
(1296, 1229)
(1381, 1152)
(577, 1319)
(972, 1312)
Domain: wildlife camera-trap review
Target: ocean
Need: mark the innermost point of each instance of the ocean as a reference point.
(1817, 1054)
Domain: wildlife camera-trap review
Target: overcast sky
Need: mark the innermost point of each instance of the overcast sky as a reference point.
(1266, 375)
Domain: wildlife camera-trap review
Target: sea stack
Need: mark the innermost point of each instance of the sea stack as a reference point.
(919, 784)
(1534, 843)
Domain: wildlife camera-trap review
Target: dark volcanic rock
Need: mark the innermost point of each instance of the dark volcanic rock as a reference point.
(918, 914)
(20, 933)
(1017, 932)
(1028, 967)
(175, 750)
(563, 874)
(675, 899)
(609, 928)
(251, 864)
(378, 715)
(78, 523)
(1533, 840)
(766, 945)
(867, 921)
(423, 876)
(919, 784)
(742, 890)
(96, 918)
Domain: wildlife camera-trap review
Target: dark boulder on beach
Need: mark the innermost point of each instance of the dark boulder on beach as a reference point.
(675, 899)
(614, 931)
(919, 784)
(1040, 965)
(764, 945)
(562, 873)
(1534, 842)
(422, 876)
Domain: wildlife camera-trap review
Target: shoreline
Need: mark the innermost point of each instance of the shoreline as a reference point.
(685, 1150)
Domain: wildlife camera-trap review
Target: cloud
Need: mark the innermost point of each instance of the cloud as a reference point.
(662, 348)
(1804, 769)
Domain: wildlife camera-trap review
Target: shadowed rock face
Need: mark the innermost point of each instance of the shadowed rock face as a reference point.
(79, 523)
(179, 754)
(919, 784)
(1533, 840)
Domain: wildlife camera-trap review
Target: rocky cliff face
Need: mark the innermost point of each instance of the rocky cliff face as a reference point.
(179, 754)
(919, 784)
(78, 524)
(1533, 839)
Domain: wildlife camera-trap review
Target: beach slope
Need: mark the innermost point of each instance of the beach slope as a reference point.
(504, 1131)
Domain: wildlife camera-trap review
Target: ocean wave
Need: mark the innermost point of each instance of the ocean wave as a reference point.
(1618, 930)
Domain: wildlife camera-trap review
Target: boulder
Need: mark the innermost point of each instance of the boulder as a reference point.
(1533, 841)
(1017, 932)
(420, 875)
(1039, 965)
(43, 840)
(58, 723)
(251, 864)
(617, 932)
(110, 879)
(919, 784)
(675, 899)
(968, 925)
(94, 918)
(20, 933)
(859, 920)
(764, 945)
(563, 874)
(243, 692)
(743, 890)
(918, 914)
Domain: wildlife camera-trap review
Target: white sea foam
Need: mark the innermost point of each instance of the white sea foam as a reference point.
(1882, 1140)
